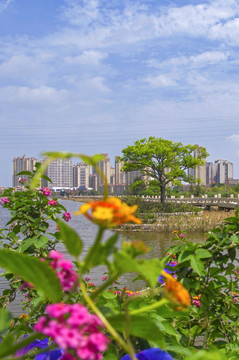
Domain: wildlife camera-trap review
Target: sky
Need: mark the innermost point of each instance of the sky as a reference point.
(93, 76)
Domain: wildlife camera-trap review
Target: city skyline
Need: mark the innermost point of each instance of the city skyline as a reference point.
(65, 174)
(89, 76)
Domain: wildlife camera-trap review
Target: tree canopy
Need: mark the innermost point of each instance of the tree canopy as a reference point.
(163, 160)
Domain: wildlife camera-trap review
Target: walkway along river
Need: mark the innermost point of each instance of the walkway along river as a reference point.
(158, 242)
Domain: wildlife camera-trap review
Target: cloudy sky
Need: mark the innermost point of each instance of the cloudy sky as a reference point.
(93, 76)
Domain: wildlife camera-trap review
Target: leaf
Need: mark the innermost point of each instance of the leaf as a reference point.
(26, 243)
(5, 319)
(141, 326)
(108, 295)
(70, 238)
(185, 256)
(46, 178)
(124, 263)
(197, 265)
(203, 254)
(34, 271)
(178, 349)
(41, 242)
(6, 345)
(24, 173)
(151, 270)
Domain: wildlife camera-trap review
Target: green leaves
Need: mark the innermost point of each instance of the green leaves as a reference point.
(149, 269)
(70, 238)
(5, 319)
(34, 271)
(141, 326)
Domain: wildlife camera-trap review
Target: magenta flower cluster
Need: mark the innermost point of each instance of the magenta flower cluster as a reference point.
(46, 191)
(197, 303)
(22, 180)
(67, 216)
(4, 200)
(74, 330)
(52, 202)
(64, 269)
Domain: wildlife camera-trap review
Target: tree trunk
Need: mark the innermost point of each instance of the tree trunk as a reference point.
(163, 194)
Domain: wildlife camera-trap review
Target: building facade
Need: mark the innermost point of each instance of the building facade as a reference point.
(104, 166)
(220, 172)
(22, 163)
(199, 173)
(60, 172)
(81, 175)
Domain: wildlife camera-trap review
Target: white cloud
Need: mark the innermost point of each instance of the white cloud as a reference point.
(160, 81)
(26, 68)
(25, 95)
(195, 61)
(234, 138)
(4, 4)
(97, 83)
(88, 57)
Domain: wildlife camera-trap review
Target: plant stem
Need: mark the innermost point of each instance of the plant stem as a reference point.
(88, 256)
(106, 323)
(149, 307)
(105, 285)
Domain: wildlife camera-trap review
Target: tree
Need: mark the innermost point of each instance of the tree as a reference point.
(163, 161)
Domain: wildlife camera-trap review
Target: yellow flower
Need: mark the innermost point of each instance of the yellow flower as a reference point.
(176, 292)
(109, 213)
(23, 316)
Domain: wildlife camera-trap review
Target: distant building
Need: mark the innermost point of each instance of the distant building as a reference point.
(22, 163)
(104, 166)
(81, 175)
(220, 172)
(60, 171)
(199, 173)
(120, 176)
(93, 182)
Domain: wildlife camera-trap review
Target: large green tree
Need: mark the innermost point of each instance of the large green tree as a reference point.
(163, 160)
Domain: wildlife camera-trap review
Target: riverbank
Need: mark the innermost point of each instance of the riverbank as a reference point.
(186, 222)
(201, 222)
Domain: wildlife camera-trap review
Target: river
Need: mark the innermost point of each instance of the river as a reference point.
(158, 242)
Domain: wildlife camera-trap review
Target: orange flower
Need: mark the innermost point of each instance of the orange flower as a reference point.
(176, 292)
(175, 232)
(109, 213)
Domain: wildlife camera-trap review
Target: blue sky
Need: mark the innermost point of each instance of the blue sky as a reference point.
(93, 76)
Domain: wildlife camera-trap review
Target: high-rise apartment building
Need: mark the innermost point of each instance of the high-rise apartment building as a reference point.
(22, 163)
(104, 166)
(199, 173)
(120, 176)
(60, 172)
(81, 175)
(220, 172)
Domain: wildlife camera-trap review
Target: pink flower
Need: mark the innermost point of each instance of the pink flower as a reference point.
(67, 216)
(104, 278)
(87, 278)
(52, 202)
(75, 330)
(22, 180)
(4, 200)
(68, 277)
(46, 191)
(181, 235)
